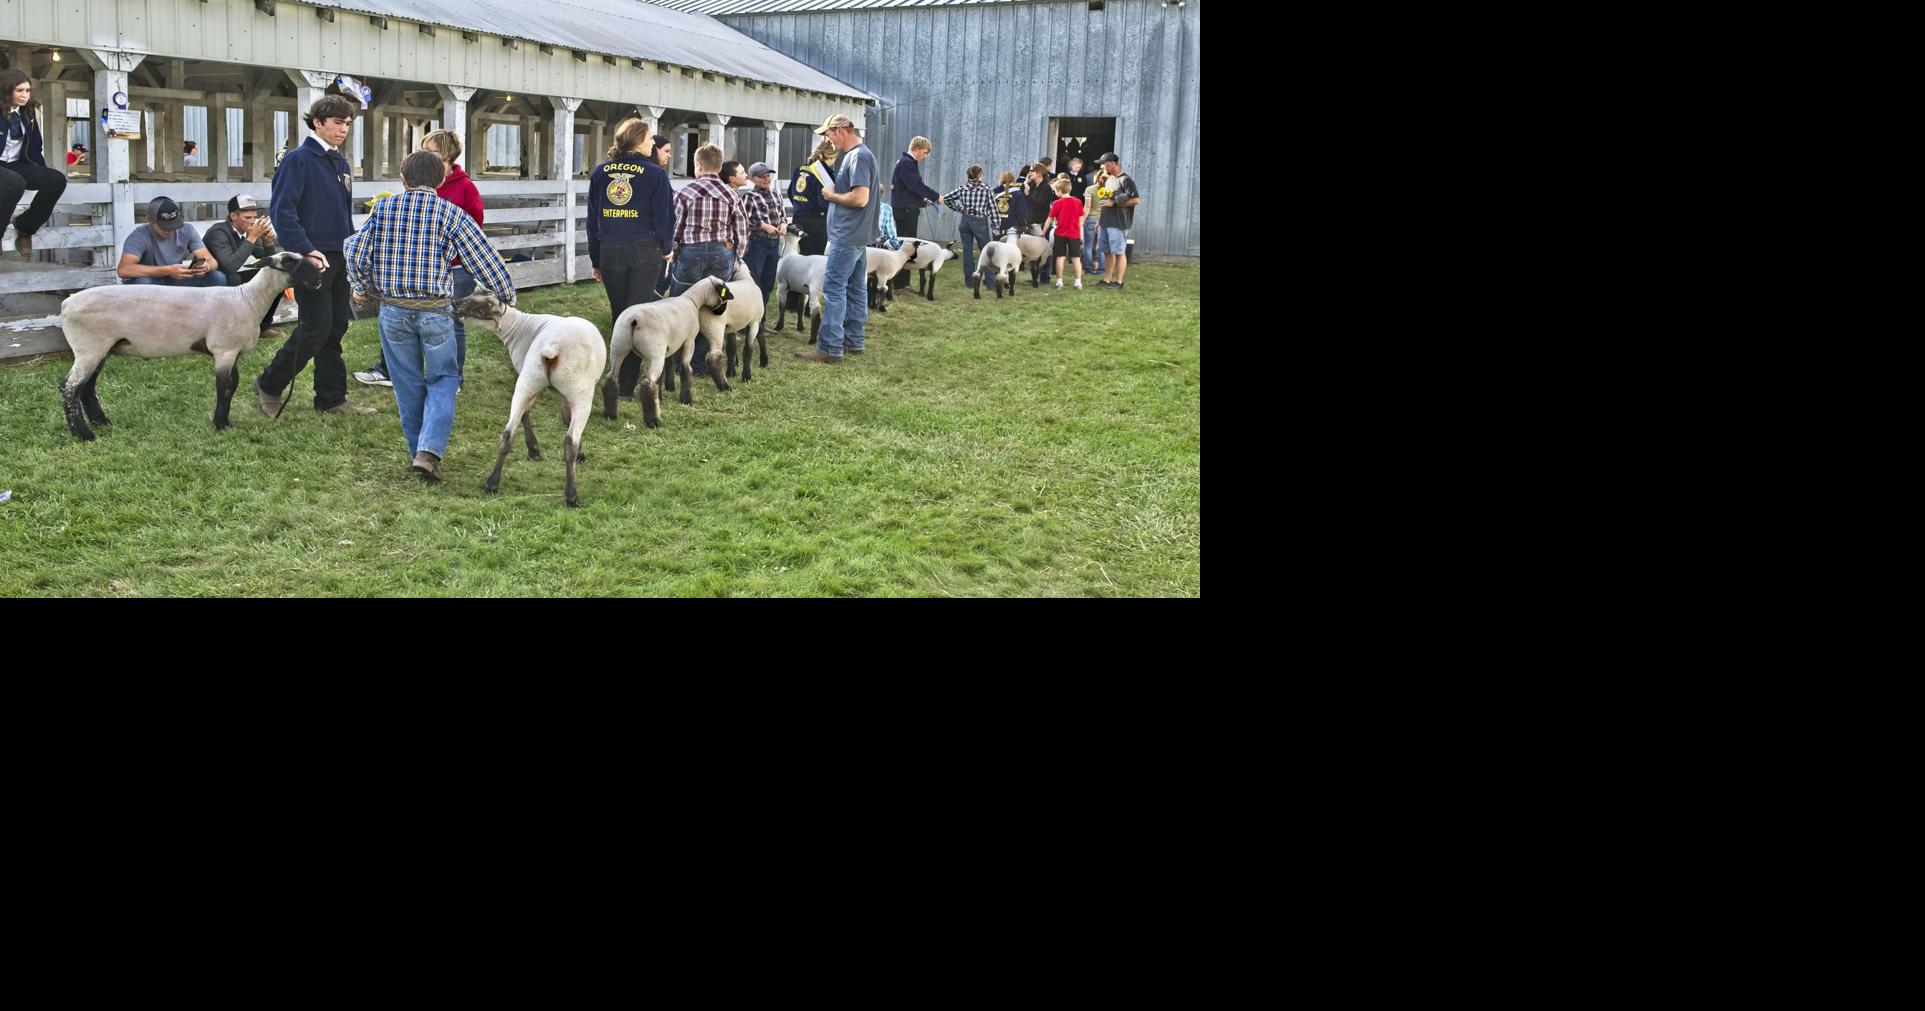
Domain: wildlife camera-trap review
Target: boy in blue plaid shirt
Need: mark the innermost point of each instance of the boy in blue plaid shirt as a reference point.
(402, 252)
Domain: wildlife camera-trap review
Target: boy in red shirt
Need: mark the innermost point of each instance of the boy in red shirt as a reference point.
(1066, 218)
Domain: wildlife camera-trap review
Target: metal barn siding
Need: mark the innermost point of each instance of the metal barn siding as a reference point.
(982, 81)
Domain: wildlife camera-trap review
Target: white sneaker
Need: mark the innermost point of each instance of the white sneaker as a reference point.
(1059, 282)
(374, 377)
(1079, 284)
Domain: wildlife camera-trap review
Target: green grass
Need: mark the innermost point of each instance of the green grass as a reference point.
(1046, 445)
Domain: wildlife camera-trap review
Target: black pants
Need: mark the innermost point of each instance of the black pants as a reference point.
(325, 316)
(905, 229)
(815, 236)
(631, 273)
(236, 280)
(16, 178)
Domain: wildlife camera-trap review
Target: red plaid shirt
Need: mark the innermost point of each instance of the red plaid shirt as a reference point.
(706, 211)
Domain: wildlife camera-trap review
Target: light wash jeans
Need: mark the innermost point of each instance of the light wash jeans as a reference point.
(845, 300)
(424, 365)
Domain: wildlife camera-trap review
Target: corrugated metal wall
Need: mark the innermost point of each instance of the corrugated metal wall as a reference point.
(981, 82)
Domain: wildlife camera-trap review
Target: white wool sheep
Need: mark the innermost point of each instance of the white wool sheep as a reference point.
(930, 261)
(747, 306)
(885, 264)
(798, 273)
(161, 321)
(1036, 250)
(998, 260)
(656, 330)
(563, 352)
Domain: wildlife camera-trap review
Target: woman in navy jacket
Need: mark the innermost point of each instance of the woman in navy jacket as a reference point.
(23, 166)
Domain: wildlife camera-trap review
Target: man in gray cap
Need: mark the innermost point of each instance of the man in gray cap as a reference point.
(767, 219)
(167, 251)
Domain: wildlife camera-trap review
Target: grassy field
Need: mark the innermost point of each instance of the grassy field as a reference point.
(1045, 445)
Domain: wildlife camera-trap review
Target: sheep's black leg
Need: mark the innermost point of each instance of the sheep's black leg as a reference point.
(715, 370)
(748, 352)
(70, 405)
(688, 381)
(569, 454)
(501, 457)
(668, 374)
(224, 386)
(762, 340)
(728, 344)
(567, 425)
(976, 285)
(815, 326)
(90, 400)
(931, 293)
(650, 395)
(528, 430)
(610, 393)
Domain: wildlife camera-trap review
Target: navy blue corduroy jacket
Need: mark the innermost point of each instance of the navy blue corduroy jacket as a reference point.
(907, 191)
(310, 205)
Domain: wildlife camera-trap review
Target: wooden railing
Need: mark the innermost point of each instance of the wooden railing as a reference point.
(536, 217)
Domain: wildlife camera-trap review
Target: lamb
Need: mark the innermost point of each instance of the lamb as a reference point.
(1036, 251)
(155, 321)
(931, 258)
(746, 309)
(885, 264)
(563, 352)
(797, 274)
(656, 330)
(998, 259)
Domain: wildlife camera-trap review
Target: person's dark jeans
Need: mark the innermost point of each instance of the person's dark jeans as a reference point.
(975, 235)
(694, 261)
(461, 284)
(764, 251)
(211, 279)
(325, 316)
(16, 178)
(631, 275)
(815, 236)
(906, 220)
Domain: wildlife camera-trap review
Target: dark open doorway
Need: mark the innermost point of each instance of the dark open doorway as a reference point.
(1085, 137)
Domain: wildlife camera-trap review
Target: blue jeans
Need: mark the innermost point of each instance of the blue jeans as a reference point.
(975, 235)
(694, 261)
(462, 284)
(845, 299)
(764, 251)
(1092, 250)
(421, 352)
(211, 279)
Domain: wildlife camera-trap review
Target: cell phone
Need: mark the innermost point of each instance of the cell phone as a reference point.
(189, 261)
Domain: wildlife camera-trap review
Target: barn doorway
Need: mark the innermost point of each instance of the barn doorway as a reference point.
(1085, 137)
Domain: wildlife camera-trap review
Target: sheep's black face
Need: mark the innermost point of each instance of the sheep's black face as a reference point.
(300, 270)
(478, 306)
(306, 274)
(722, 296)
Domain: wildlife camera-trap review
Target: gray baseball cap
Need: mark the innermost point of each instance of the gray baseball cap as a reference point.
(760, 168)
(164, 213)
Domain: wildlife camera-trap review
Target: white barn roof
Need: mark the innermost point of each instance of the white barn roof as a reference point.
(631, 29)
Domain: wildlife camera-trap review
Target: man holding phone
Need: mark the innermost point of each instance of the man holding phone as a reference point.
(168, 251)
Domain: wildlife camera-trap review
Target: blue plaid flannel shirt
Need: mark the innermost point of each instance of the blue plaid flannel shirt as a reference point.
(415, 234)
